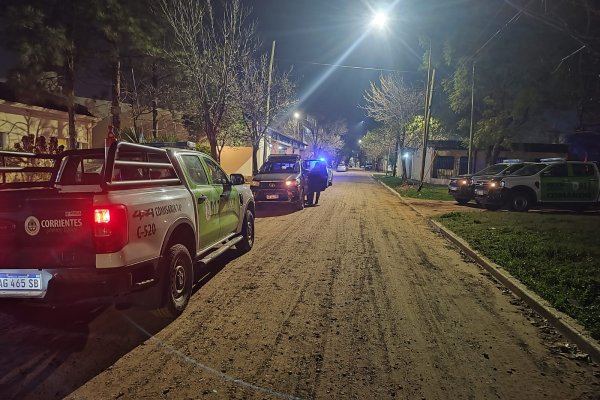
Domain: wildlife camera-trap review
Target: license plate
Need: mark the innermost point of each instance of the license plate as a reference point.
(480, 192)
(272, 196)
(20, 282)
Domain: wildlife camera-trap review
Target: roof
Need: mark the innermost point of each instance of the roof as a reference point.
(39, 99)
(284, 139)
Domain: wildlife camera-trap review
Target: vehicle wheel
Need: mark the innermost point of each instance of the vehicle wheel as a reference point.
(520, 201)
(244, 245)
(178, 277)
(462, 201)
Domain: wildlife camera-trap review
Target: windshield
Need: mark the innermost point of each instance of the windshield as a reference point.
(513, 168)
(271, 167)
(529, 170)
(492, 169)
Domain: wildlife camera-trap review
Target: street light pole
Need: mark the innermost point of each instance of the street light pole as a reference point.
(268, 101)
(425, 122)
(470, 158)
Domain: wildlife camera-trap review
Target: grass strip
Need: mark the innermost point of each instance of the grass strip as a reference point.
(555, 255)
(409, 189)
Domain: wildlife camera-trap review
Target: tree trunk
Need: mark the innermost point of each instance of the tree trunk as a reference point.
(395, 170)
(154, 102)
(69, 91)
(255, 148)
(116, 93)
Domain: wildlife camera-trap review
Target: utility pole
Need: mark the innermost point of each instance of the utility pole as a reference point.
(470, 158)
(424, 150)
(268, 101)
(427, 120)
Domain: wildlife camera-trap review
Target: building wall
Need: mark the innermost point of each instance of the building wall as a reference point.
(237, 160)
(17, 120)
(441, 175)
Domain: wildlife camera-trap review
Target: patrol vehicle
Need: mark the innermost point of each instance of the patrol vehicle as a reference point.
(483, 184)
(123, 224)
(281, 179)
(551, 182)
(462, 187)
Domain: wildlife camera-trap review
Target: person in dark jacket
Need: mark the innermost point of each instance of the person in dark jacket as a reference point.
(317, 182)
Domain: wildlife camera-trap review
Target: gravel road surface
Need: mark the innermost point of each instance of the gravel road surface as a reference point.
(356, 298)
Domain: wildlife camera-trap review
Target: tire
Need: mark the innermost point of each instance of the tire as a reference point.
(462, 201)
(299, 205)
(178, 280)
(245, 245)
(520, 201)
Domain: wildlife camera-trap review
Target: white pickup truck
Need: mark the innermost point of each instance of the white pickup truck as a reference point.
(551, 182)
(113, 224)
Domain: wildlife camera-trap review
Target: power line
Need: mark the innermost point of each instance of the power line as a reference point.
(353, 67)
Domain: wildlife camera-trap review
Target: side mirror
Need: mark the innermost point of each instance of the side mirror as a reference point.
(237, 179)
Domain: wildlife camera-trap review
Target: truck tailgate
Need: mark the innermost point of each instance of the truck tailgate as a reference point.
(40, 228)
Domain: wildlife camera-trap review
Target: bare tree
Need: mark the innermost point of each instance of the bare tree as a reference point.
(326, 137)
(209, 51)
(253, 90)
(395, 104)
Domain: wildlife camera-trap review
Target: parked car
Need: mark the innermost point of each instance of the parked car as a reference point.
(567, 184)
(462, 187)
(309, 164)
(122, 227)
(280, 180)
(368, 167)
(483, 184)
(341, 167)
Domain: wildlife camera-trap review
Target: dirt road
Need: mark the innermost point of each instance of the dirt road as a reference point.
(355, 298)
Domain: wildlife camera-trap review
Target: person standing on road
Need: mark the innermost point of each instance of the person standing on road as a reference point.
(317, 182)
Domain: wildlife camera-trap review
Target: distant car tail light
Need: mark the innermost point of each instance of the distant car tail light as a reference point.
(110, 228)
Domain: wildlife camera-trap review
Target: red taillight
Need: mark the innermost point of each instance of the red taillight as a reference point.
(110, 228)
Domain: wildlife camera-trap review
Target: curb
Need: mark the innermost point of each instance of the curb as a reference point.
(564, 324)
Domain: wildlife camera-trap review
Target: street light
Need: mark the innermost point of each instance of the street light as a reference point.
(297, 115)
(379, 20)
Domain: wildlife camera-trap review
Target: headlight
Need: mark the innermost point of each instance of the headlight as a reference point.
(464, 182)
(255, 183)
(493, 184)
(291, 183)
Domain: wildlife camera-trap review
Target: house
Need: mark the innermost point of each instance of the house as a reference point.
(447, 158)
(39, 114)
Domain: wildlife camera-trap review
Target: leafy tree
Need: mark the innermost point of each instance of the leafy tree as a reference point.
(50, 35)
(377, 144)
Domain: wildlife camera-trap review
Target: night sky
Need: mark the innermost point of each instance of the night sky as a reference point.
(312, 32)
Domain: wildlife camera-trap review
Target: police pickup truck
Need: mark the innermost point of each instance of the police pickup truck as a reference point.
(462, 187)
(118, 224)
(551, 182)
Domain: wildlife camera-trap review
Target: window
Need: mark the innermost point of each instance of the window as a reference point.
(583, 170)
(195, 170)
(276, 167)
(218, 177)
(556, 170)
(463, 165)
(443, 167)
